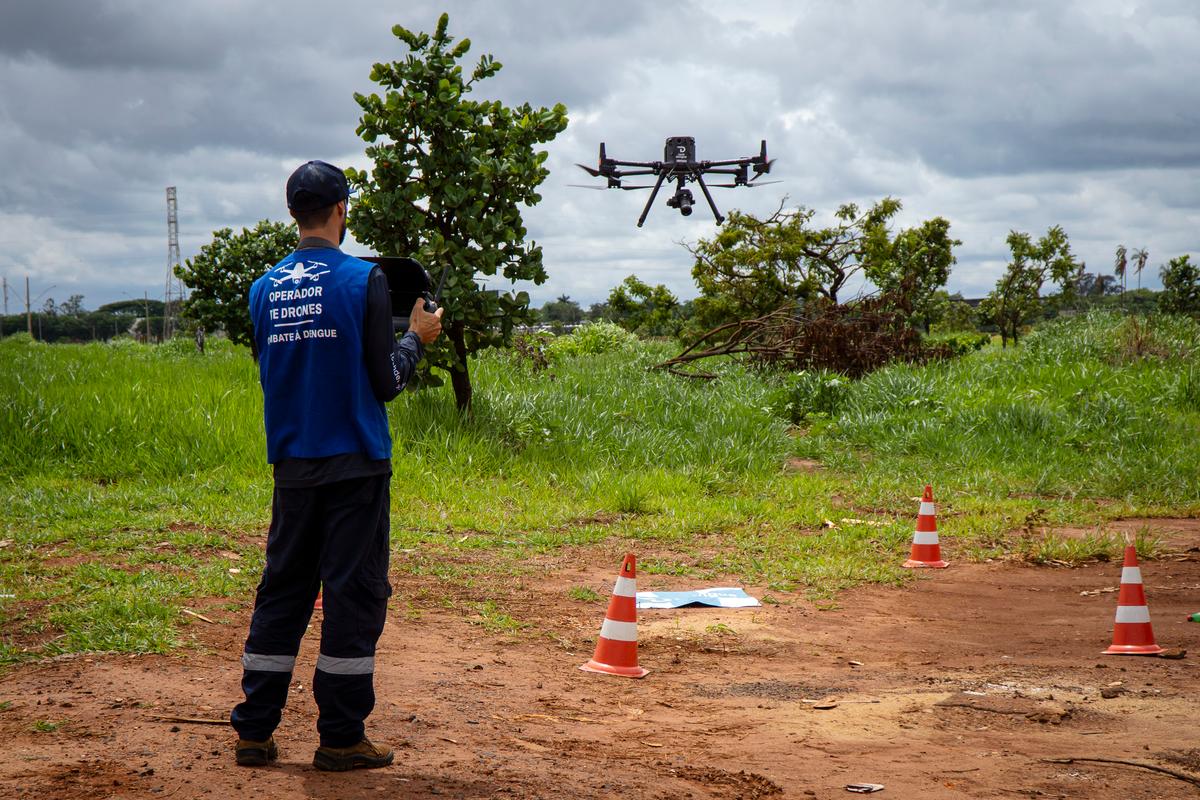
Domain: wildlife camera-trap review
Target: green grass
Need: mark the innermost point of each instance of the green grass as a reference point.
(492, 619)
(1076, 412)
(583, 594)
(132, 478)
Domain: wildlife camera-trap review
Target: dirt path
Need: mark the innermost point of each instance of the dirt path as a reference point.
(954, 688)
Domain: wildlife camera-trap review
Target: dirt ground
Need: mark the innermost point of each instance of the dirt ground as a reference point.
(959, 686)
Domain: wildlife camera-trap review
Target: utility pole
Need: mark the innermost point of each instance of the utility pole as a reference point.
(28, 313)
(146, 300)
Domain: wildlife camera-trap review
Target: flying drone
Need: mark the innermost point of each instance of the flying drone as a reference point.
(679, 164)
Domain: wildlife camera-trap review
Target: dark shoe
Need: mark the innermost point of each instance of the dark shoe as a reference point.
(363, 755)
(256, 754)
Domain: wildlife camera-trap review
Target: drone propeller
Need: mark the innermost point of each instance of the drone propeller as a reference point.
(595, 173)
(603, 188)
(749, 185)
(762, 169)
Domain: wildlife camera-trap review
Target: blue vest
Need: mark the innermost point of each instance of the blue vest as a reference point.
(308, 314)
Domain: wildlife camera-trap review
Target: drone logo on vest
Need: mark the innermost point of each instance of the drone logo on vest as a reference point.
(299, 272)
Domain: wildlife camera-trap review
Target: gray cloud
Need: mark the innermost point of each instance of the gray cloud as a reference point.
(998, 117)
(113, 33)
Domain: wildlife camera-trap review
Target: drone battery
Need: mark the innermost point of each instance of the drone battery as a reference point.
(680, 150)
(407, 282)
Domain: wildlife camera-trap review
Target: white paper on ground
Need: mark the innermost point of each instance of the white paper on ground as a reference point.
(721, 596)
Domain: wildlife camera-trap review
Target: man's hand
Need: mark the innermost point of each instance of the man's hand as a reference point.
(421, 322)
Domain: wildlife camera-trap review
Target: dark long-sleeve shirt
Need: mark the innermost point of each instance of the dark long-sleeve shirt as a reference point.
(390, 365)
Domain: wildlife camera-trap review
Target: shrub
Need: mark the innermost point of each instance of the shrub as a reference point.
(532, 350)
(19, 338)
(177, 347)
(593, 339)
(959, 343)
(802, 394)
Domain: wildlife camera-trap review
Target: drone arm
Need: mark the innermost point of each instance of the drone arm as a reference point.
(653, 194)
(654, 165)
(733, 162)
(621, 173)
(708, 197)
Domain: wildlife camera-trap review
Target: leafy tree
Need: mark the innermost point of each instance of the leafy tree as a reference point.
(1091, 285)
(563, 310)
(913, 267)
(956, 316)
(1013, 303)
(642, 308)
(753, 266)
(1181, 286)
(450, 176)
(598, 312)
(73, 306)
(1016, 300)
(220, 275)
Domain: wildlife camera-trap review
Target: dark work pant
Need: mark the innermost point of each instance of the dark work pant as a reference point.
(336, 536)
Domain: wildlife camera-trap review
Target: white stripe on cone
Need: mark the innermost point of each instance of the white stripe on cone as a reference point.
(619, 631)
(1131, 574)
(1132, 615)
(625, 587)
(925, 537)
(927, 509)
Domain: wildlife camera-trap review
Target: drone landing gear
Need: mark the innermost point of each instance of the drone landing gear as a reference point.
(653, 194)
(682, 200)
(708, 197)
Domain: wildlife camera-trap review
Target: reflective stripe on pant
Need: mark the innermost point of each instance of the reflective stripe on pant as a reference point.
(336, 536)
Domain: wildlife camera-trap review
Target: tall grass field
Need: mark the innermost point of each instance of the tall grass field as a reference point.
(133, 480)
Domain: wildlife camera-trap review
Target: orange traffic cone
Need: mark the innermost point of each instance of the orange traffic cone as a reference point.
(616, 650)
(926, 550)
(318, 606)
(1132, 634)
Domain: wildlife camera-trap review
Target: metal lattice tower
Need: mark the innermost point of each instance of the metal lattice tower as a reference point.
(174, 287)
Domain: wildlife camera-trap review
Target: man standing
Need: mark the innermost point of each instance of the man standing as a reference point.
(328, 360)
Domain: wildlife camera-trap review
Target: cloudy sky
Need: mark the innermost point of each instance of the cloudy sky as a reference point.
(998, 116)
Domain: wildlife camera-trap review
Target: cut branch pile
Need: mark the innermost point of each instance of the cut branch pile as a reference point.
(852, 339)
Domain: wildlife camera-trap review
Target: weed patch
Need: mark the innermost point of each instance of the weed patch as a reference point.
(493, 620)
(583, 594)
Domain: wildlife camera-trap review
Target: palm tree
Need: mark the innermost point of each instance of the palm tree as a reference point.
(1140, 257)
(1120, 265)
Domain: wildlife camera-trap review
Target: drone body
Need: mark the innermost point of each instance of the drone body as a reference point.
(679, 165)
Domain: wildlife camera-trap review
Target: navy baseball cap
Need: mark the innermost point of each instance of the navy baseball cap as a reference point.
(316, 185)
